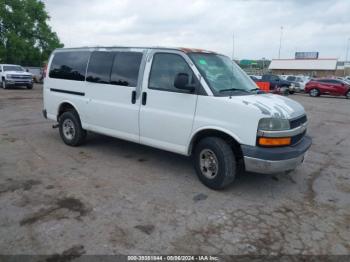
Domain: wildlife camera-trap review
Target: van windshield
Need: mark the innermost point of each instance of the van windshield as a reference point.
(223, 76)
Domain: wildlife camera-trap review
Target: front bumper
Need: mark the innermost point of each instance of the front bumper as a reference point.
(275, 160)
(12, 82)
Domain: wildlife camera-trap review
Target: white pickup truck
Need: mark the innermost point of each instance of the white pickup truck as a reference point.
(15, 75)
(188, 101)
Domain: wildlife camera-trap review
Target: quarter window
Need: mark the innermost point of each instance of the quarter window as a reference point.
(126, 68)
(69, 65)
(164, 70)
(99, 69)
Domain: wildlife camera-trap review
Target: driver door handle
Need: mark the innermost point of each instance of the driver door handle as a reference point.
(144, 98)
(133, 97)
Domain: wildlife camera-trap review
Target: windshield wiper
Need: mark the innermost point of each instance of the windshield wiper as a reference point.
(232, 89)
(257, 90)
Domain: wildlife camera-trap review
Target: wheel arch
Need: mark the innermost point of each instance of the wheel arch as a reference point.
(64, 107)
(230, 138)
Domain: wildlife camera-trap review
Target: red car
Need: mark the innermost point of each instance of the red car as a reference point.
(327, 86)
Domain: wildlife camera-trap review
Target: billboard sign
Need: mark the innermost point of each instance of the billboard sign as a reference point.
(306, 55)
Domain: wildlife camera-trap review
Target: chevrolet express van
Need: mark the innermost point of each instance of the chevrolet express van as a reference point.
(188, 101)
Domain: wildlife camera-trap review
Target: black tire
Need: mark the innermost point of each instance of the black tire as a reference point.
(30, 86)
(69, 120)
(3, 84)
(226, 163)
(291, 92)
(347, 95)
(314, 92)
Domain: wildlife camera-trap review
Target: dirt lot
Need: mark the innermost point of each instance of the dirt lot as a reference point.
(115, 197)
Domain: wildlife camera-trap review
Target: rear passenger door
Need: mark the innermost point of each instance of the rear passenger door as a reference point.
(167, 113)
(111, 83)
(328, 86)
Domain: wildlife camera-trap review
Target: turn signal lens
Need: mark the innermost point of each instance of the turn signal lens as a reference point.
(280, 141)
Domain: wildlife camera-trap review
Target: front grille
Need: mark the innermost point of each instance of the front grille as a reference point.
(20, 77)
(298, 121)
(296, 139)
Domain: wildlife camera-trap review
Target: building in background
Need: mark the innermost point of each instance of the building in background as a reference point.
(319, 67)
(343, 68)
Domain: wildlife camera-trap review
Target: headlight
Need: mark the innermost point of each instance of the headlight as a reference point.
(273, 124)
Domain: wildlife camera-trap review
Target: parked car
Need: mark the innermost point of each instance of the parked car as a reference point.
(255, 77)
(195, 103)
(297, 81)
(283, 76)
(327, 86)
(277, 83)
(37, 74)
(15, 75)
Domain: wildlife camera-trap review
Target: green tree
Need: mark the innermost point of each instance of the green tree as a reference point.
(25, 36)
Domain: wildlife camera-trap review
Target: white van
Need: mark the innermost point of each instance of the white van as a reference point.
(188, 101)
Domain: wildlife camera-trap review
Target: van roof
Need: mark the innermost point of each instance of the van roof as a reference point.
(183, 49)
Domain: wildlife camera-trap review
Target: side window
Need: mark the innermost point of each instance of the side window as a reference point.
(125, 70)
(69, 65)
(165, 68)
(272, 78)
(330, 81)
(100, 65)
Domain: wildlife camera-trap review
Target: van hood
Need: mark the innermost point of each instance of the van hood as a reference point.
(276, 106)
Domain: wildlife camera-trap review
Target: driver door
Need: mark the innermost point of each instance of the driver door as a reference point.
(167, 113)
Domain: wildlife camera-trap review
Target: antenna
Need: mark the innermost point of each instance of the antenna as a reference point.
(279, 50)
(233, 46)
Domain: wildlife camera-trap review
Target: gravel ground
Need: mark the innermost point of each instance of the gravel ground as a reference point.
(114, 197)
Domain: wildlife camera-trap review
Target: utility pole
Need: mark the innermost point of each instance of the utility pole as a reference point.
(346, 56)
(279, 50)
(233, 46)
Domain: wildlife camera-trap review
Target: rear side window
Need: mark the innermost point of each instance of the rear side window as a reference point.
(100, 65)
(126, 68)
(69, 65)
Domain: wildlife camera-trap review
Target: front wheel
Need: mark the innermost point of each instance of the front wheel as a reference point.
(3, 84)
(71, 131)
(215, 163)
(314, 92)
(30, 86)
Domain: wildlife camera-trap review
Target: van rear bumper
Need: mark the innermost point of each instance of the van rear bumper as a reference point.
(275, 160)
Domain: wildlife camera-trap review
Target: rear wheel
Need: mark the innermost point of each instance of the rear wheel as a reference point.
(215, 163)
(71, 131)
(314, 92)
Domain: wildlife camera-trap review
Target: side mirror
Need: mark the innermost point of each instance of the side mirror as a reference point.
(181, 82)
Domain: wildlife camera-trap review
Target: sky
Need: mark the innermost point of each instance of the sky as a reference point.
(308, 25)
